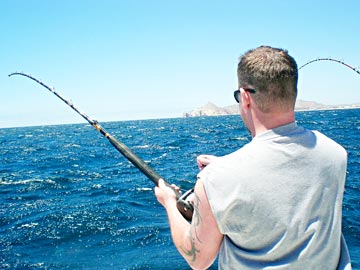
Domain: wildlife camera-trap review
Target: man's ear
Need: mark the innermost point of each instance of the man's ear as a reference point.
(245, 98)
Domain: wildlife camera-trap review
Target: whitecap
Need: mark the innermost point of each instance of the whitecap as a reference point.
(30, 225)
(142, 146)
(21, 182)
(72, 145)
(97, 186)
(144, 189)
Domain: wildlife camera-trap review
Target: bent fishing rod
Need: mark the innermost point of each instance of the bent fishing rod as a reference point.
(185, 207)
(332, 60)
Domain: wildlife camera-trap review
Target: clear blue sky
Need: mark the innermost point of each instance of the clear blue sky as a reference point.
(139, 59)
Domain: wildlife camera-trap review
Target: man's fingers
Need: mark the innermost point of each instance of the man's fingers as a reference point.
(175, 187)
(161, 183)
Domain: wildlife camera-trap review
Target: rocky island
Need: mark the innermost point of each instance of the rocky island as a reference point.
(210, 109)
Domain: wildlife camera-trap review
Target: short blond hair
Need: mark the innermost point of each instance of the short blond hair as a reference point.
(273, 73)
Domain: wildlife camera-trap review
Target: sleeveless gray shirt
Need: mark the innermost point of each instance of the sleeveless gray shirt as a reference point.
(278, 202)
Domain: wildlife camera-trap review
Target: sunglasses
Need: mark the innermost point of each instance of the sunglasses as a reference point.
(237, 92)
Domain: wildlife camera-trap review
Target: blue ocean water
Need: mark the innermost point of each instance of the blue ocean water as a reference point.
(69, 200)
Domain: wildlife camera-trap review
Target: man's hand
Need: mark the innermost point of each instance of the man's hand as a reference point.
(204, 160)
(166, 194)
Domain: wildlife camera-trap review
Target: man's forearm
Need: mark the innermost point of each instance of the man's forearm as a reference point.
(180, 232)
(185, 236)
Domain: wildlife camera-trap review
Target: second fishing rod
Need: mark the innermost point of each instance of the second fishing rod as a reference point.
(184, 206)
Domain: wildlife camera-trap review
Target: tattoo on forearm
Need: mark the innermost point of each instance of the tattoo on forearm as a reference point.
(196, 217)
(193, 250)
(196, 221)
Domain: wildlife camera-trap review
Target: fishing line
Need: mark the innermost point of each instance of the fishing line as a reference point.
(184, 206)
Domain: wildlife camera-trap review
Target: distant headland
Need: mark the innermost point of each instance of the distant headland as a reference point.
(210, 109)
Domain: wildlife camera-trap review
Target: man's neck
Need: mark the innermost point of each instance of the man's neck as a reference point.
(267, 121)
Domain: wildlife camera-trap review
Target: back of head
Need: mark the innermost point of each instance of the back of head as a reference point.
(273, 73)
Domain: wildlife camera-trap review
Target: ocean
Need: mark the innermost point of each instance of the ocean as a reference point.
(69, 200)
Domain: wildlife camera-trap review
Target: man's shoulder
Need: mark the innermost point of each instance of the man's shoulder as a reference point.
(329, 144)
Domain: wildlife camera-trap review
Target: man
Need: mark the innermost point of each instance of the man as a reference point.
(276, 203)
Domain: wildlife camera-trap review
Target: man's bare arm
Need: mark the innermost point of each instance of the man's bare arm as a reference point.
(198, 242)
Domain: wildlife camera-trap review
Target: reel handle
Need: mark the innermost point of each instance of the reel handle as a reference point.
(185, 206)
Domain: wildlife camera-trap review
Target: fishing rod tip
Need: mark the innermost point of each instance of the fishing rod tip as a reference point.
(14, 73)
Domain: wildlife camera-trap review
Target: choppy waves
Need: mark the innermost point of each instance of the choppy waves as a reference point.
(71, 201)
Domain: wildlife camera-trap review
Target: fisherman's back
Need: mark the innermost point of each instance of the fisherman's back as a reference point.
(278, 201)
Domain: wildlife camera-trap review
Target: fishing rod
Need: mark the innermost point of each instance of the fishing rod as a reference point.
(185, 207)
(333, 60)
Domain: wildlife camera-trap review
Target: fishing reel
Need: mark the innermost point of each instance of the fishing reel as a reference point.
(185, 204)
